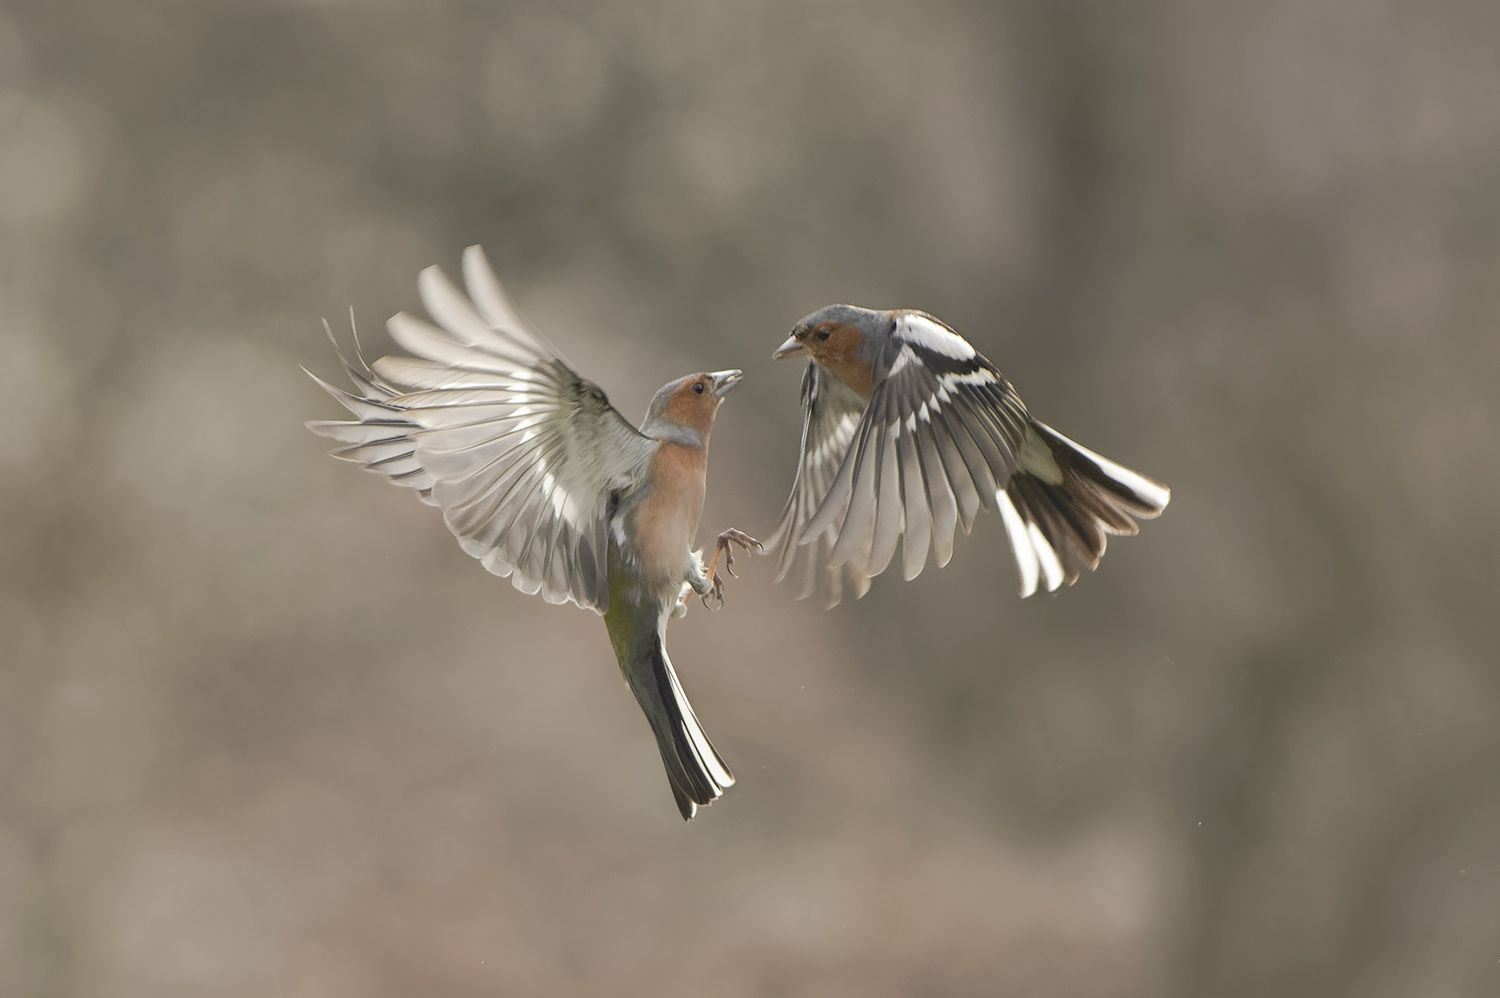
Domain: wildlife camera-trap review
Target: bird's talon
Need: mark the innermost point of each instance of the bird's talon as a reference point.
(739, 537)
(725, 549)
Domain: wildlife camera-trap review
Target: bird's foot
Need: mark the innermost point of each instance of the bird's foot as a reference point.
(714, 598)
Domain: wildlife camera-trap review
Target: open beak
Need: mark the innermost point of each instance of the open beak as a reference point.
(790, 348)
(724, 381)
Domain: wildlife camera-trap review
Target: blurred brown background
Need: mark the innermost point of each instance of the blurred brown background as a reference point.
(264, 730)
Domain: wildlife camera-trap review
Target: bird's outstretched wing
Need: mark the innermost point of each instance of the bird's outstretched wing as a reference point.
(944, 435)
(830, 416)
(940, 434)
(487, 422)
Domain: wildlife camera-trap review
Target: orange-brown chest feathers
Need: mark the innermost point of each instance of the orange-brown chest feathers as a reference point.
(666, 521)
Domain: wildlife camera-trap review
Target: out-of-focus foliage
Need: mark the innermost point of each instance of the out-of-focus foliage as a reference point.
(265, 730)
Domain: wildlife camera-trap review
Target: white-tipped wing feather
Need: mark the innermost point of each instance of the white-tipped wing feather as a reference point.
(487, 422)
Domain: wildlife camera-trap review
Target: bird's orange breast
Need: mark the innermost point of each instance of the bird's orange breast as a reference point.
(667, 519)
(855, 373)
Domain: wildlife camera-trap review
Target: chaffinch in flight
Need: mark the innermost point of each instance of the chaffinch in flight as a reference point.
(907, 432)
(543, 481)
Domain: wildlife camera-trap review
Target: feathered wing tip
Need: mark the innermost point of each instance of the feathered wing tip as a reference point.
(807, 566)
(1059, 514)
(379, 437)
(696, 771)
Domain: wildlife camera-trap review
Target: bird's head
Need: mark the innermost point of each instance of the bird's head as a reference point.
(834, 332)
(841, 338)
(690, 403)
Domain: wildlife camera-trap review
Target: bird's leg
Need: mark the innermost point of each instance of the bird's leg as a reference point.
(697, 580)
(724, 547)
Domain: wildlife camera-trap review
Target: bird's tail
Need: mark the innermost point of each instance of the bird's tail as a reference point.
(697, 773)
(1062, 503)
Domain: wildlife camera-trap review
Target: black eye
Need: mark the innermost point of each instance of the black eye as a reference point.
(697, 388)
(822, 334)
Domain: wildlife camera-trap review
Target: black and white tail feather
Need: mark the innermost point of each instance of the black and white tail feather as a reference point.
(697, 773)
(943, 435)
(1059, 509)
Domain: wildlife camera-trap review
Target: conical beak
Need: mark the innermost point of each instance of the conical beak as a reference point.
(724, 381)
(790, 348)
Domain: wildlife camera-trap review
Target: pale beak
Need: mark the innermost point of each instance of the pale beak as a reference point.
(725, 380)
(790, 348)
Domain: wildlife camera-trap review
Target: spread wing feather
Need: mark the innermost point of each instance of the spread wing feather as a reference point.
(939, 436)
(486, 421)
(830, 417)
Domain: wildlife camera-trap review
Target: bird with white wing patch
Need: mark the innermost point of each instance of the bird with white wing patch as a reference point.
(907, 433)
(544, 482)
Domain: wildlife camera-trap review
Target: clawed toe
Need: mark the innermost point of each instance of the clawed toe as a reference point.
(731, 537)
(714, 598)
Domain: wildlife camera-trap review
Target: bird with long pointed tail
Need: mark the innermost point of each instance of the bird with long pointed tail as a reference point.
(907, 432)
(544, 482)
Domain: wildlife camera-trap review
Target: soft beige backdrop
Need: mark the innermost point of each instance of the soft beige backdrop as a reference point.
(264, 730)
